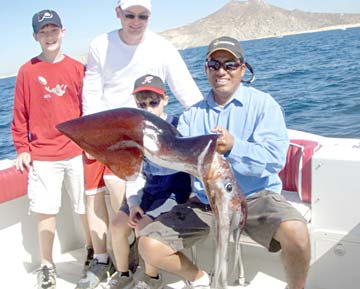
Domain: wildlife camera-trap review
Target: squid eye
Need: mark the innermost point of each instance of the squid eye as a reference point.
(228, 187)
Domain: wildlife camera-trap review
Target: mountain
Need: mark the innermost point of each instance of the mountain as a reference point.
(255, 19)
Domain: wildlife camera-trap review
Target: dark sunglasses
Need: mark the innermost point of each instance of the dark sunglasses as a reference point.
(153, 103)
(139, 16)
(228, 65)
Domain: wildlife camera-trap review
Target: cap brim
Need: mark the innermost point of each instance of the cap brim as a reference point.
(224, 49)
(48, 23)
(151, 88)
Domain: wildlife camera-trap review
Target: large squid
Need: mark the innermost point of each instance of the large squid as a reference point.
(120, 138)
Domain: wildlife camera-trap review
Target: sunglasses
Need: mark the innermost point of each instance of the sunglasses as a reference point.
(228, 65)
(153, 103)
(143, 17)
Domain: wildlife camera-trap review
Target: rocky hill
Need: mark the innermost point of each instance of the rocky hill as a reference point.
(255, 19)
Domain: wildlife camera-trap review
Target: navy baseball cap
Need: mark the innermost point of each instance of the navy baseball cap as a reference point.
(45, 17)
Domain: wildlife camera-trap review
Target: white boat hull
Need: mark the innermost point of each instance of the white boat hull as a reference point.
(334, 226)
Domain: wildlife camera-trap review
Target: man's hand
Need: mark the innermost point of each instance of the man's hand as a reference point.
(225, 141)
(22, 161)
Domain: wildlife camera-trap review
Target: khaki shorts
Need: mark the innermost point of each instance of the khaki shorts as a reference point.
(47, 180)
(188, 223)
(153, 206)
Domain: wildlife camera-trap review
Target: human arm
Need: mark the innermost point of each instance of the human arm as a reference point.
(180, 81)
(20, 125)
(263, 153)
(92, 91)
(134, 192)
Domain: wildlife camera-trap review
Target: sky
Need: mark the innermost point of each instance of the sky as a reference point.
(85, 19)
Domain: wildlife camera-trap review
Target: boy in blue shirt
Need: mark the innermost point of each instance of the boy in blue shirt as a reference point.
(157, 192)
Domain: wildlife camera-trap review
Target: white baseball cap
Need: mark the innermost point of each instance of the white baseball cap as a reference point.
(124, 4)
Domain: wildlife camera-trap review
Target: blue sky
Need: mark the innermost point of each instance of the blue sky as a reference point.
(84, 19)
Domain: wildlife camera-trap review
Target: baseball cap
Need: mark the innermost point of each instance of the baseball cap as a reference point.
(45, 17)
(149, 82)
(124, 4)
(228, 44)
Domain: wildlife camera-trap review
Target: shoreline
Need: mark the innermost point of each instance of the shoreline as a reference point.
(8, 76)
(328, 28)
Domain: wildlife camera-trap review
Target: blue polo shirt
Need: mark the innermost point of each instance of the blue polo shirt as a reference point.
(257, 123)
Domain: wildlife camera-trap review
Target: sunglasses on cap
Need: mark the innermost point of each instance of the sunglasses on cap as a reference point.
(228, 65)
(132, 16)
(153, 103)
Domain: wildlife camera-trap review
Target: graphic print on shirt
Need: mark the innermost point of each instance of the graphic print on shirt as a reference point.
(58, 90)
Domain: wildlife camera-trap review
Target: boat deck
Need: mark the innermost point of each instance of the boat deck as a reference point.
(334, 229)
(69, 268)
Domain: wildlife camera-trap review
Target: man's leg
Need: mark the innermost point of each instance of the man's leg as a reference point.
(74, 186)
(161, 242)
(98, 219)
(86, 229)
(100, 267)
(295, 244)
(116, 188)
(161, 256)
(88, 243)
(277, 225)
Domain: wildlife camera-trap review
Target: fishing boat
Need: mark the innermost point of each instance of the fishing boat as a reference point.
(320, 180)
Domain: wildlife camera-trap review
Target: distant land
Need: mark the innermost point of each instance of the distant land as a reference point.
(253, 19)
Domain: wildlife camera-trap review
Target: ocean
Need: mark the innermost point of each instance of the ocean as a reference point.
(314, 76)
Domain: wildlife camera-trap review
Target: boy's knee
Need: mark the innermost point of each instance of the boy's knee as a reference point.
(147, 247)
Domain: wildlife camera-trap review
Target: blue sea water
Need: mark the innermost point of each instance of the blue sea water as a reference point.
(314, 76)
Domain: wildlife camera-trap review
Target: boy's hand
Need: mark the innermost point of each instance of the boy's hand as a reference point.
(225, 141)
(22, 161)
(136, 214)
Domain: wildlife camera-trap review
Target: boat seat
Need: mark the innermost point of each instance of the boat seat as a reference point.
(296, 178)
(296, 174)
(13, 183)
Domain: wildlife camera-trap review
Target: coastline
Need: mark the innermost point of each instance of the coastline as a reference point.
(8, 76)
(327, 28)
(82, 58)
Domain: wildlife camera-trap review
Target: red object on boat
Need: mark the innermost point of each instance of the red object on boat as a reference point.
(296, 175)
(13, 184)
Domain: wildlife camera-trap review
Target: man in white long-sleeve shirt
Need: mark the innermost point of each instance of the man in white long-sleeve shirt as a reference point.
(116, 59)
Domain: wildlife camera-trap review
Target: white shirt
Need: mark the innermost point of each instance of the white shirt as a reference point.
(113, 66)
